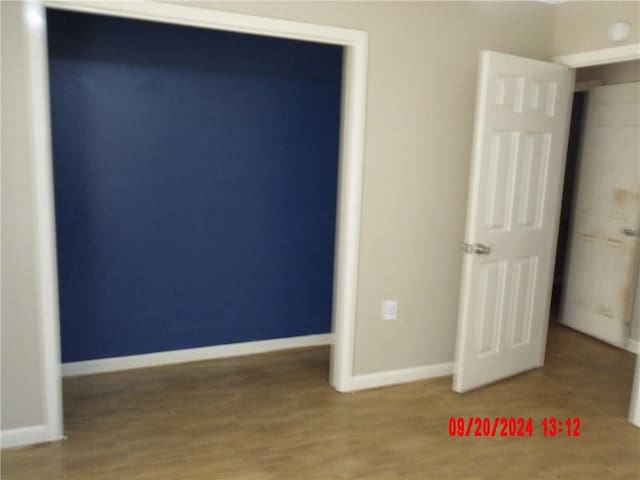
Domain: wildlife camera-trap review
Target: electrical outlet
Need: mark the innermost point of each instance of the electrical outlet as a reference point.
(389, 310)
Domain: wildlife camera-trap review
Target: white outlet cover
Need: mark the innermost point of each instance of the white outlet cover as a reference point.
(390, 310)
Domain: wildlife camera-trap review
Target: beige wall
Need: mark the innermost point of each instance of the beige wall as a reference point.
(422, 84)
(612, 74)
(20, 367)
(582, 26)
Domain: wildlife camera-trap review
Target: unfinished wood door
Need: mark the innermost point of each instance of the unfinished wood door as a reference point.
(520, 138)
(603, 245)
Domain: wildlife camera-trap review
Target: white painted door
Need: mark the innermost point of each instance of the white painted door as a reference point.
(519, 147)
(602, 261)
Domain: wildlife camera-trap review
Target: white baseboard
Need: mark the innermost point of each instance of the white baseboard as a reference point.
(17, 437)
(404, 375)
(114, 364)
(633, 346)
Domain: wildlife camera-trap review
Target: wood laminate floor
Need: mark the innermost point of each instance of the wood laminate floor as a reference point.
(274, 416)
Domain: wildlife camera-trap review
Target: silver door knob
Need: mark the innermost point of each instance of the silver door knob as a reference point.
(477, 248)
(631, 232)
(480, 249)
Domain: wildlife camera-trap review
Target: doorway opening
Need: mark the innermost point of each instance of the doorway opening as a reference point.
(195, 178)
(596, 267)
(352, 114)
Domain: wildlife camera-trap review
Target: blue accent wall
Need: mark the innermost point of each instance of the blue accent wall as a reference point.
(195, 184)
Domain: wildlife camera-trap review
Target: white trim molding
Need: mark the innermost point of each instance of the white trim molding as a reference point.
(17, 437)
(213, 19)
(34, 19)
(634, 404)
(349, 211)
(114, 364)
(404, 375)
(355, 43)
(621, 53)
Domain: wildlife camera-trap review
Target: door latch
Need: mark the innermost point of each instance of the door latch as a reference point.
(631, 232)
(477, 248)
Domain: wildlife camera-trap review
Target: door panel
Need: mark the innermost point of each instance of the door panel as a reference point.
(522, 117)
(525, 273)
(602, 260)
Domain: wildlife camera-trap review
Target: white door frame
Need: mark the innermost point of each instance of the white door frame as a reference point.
(622, 53)
(355, 43)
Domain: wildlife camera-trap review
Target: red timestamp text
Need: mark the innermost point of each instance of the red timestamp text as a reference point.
(512, 427)
(569, 426)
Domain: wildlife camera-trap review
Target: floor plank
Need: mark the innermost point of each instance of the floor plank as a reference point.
(274, 416)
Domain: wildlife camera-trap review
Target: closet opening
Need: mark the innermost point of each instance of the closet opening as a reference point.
(196, 190)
